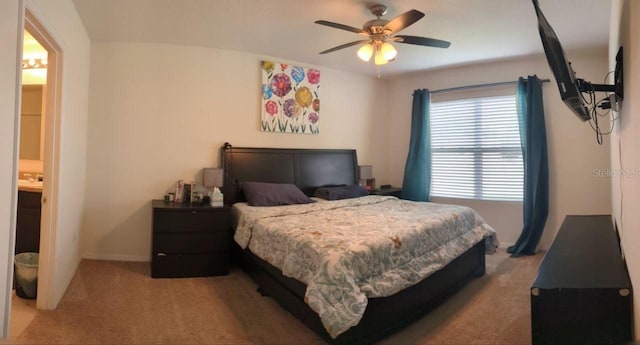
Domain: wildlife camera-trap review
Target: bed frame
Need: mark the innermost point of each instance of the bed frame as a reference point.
(309, 169)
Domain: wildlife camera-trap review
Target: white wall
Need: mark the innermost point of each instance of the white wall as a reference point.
(625, 148)
(10, 33)
(160, 113)
(572, 149)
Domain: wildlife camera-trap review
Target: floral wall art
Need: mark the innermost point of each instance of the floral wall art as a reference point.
(290, 101)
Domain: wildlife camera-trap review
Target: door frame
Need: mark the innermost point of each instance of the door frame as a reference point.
(6, 290)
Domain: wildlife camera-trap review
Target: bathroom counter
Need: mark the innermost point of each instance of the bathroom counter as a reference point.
(28, 186)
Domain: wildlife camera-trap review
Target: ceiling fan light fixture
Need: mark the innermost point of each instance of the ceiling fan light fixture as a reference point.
(388, 51)
(381, 33)
(365, 52)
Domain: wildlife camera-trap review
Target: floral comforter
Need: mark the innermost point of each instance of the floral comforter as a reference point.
(348, 250)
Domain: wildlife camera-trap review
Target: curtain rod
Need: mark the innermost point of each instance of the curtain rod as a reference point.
(460, 88)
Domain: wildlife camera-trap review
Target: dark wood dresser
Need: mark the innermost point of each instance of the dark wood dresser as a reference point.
(582, 294)
(189, 240)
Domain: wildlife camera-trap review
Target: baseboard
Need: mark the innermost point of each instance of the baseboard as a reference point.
(116, 257)
(505, 244)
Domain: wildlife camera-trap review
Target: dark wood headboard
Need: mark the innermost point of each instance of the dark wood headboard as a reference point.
(306, 168)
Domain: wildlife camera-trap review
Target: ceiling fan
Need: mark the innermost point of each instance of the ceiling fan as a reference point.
(381, 32)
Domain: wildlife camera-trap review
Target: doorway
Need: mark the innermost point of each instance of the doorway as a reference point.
(47, 161)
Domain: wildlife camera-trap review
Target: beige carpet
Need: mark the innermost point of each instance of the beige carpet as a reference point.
(118, 303)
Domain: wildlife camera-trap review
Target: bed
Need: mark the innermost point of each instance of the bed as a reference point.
(309, 169)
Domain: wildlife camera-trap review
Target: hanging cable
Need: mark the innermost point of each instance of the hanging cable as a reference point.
(593, 105)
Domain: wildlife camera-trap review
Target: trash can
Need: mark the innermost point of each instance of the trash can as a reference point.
(26, 275)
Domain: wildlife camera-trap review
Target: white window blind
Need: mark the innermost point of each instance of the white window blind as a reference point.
(475, 149)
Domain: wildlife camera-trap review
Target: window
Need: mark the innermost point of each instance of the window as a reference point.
(475, 149)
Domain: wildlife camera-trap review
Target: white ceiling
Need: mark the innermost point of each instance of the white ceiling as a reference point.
(479, 30)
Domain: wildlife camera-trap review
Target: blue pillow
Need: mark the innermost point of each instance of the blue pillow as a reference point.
(341, 192)
(273, 194)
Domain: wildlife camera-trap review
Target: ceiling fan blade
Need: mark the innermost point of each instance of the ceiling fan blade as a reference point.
(422, 41)
(342, 27)
(343, 46)
(402, 21)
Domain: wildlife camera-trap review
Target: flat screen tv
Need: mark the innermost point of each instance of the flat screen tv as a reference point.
(561, 68)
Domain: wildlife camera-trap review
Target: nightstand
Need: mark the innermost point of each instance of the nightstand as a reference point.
(189, 240)
(397, 192)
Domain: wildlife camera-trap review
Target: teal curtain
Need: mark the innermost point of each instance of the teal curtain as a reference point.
(417, 171)
(533, 138)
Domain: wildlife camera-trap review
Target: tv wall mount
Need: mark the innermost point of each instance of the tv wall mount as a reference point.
(618, 83)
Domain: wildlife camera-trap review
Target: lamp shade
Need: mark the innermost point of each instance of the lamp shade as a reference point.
(212, 177)
(388, 51)
(365, 172)
(365, 52)
(378, 58)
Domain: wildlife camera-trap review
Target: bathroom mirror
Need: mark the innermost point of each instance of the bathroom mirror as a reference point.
(32, 123)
